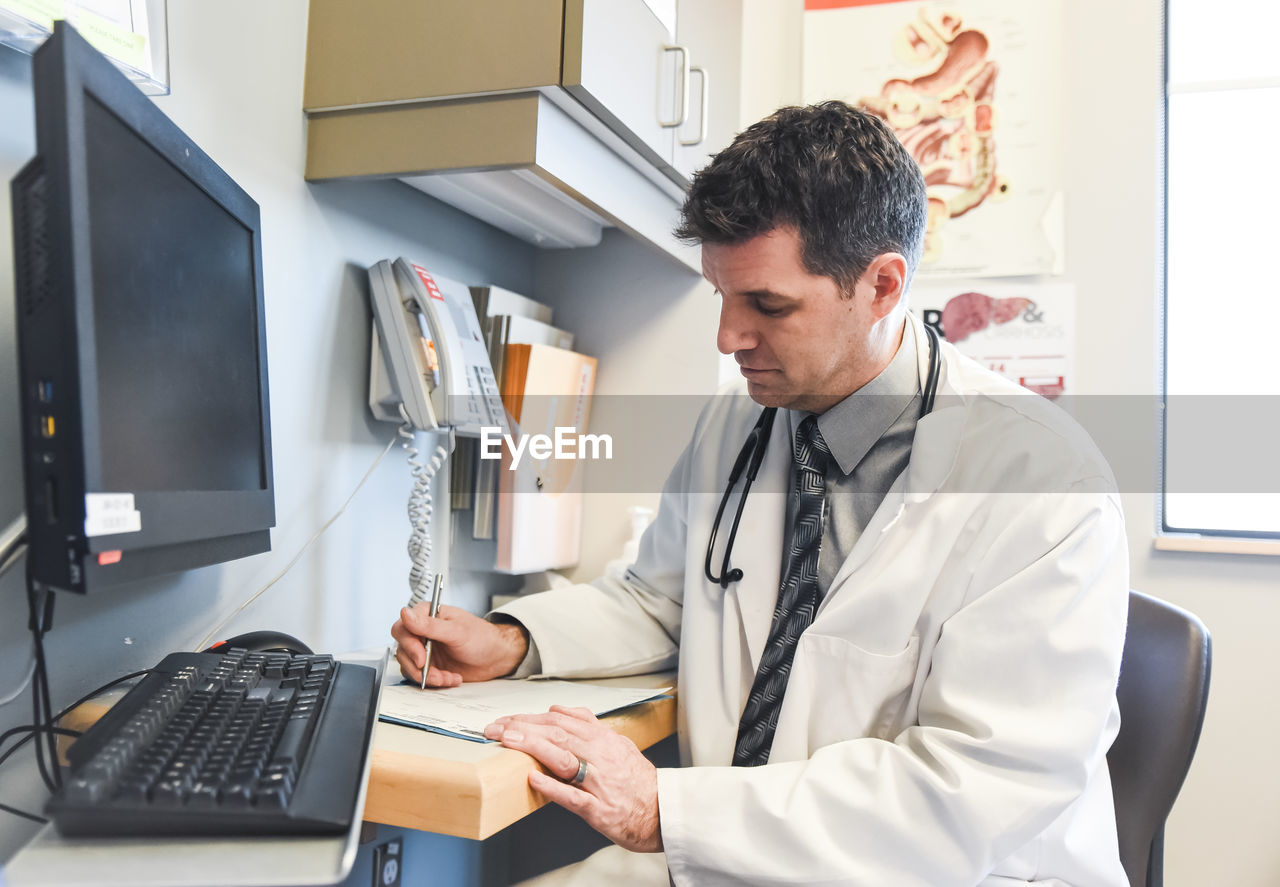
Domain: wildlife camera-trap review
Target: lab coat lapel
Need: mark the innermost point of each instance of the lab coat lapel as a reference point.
(933, 456)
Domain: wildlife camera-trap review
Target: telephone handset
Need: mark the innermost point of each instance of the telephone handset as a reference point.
(429, 369)
(434, 358)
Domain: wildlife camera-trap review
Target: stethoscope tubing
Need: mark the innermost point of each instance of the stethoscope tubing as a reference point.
(751, 456)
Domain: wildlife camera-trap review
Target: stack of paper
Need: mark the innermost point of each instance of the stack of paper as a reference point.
(508, 318)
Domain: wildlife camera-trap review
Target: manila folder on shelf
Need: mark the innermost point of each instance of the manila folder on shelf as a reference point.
(546, 391)
(465, 711)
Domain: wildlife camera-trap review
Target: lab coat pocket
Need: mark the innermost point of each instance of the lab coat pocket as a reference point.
(849, 692)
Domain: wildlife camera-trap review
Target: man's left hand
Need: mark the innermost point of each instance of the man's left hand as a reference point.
(619, 795)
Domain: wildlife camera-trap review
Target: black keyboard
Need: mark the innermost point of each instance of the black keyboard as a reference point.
(225, 744)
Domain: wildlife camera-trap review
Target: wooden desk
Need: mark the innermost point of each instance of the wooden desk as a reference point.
(435, 783)
(422, 780)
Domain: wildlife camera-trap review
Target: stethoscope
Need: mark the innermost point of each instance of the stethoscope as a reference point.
(752, 455)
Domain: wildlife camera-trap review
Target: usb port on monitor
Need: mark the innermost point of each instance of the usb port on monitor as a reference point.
(50, 500)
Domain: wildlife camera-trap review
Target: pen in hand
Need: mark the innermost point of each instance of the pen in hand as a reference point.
(436, 587)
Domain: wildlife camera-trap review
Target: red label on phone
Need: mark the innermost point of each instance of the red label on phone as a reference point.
(432, 290)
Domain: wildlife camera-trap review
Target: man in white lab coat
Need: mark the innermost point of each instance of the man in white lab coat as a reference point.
(911, 681)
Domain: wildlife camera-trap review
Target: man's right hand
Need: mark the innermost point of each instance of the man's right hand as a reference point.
(464, 647)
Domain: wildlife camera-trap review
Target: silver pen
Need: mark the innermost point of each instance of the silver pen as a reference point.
(436, 588)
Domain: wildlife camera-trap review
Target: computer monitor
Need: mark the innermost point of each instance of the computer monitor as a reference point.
(141, 339)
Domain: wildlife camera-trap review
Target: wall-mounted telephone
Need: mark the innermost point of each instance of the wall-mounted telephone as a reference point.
(434, 358)
(429, 369)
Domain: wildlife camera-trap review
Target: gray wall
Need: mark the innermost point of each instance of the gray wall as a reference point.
(237, 72)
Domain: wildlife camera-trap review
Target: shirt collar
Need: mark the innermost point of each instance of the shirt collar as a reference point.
(852, 427)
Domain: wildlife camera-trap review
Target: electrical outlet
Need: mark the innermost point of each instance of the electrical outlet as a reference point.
(387, 863)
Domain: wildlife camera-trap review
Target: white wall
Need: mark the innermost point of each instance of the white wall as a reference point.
(1222, 830)
(772, 45)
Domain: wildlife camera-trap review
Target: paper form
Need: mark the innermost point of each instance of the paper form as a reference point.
(465, 711)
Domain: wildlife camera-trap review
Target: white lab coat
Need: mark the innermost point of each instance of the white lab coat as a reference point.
(948, 711)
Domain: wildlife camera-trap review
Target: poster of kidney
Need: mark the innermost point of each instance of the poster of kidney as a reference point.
(1023, 331)
(973, 89)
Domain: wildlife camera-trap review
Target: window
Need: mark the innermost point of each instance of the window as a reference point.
(1220, 471)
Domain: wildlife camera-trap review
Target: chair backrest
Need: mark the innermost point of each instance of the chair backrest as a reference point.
(1163, 689)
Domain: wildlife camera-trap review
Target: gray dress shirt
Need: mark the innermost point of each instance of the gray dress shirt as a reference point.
(869, 434)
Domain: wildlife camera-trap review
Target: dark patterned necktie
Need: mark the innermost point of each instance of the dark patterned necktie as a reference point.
(797, 598)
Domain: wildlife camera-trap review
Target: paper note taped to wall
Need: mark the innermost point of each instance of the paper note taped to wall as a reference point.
(116, 28)
(40, 12)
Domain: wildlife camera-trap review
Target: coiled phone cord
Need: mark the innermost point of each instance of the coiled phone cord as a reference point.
(420, 509)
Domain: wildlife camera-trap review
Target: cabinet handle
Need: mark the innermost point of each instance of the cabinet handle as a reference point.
(702, 109)
(683, 110)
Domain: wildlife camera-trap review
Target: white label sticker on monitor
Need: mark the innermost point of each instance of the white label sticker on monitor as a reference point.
(106, 514)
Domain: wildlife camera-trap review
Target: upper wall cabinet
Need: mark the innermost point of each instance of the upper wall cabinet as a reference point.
(550, 119)
(712, 30)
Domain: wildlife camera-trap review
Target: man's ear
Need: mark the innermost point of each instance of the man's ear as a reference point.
(887, 278)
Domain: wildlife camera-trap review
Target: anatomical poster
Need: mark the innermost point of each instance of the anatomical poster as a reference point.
(1024, 331)
(973, 89)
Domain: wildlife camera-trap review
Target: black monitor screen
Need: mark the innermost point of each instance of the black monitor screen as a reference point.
(175, 325)
(141, 338)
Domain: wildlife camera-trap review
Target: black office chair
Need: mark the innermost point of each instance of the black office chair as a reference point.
(1163, 689)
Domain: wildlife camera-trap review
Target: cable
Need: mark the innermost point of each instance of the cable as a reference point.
(204, 642)
(32, 730)
(70, 708)
(40, 619)
(420, 509)
(23, 813)
(98, 692)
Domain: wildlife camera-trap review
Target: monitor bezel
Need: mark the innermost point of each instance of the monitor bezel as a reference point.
(180, 528)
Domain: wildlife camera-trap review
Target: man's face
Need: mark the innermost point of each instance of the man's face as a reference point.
(800, 342)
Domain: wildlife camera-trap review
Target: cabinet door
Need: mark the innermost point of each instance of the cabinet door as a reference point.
(381, 51)
(712, 30)
(616, 64)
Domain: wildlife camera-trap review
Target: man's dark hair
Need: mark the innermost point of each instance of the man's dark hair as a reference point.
(836, 174)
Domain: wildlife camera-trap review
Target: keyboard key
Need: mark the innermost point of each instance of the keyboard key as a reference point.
(203, 794)
(237, 794)
(133, 790)
(169, 792)
(85, 789)
(276, 780)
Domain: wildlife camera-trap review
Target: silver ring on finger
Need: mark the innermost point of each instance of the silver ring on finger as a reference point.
(581, 775)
